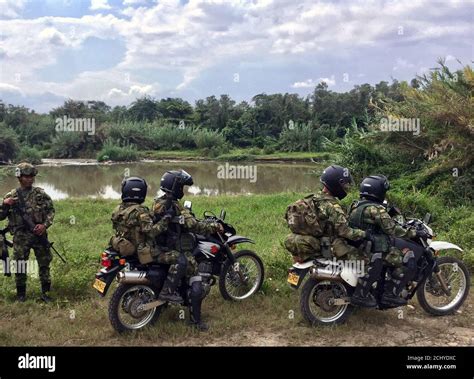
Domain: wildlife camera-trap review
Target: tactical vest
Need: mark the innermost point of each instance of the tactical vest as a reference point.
(356, 220)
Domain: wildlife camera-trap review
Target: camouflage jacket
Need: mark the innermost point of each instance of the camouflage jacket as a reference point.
(38, 205)
(134, 222)
(376, 217)
(190, 223)
(333, 218)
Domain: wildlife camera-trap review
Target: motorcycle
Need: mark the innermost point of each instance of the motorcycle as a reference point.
(134, 303)
(441, 283)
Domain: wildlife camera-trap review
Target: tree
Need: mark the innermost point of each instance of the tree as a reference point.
(144, 109)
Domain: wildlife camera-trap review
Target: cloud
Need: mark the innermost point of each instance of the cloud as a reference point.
(99, 4)
(190, 38)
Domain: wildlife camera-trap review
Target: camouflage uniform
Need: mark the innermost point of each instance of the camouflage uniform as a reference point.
(375, 217)
(169, 254)
(133, 224)
(40, 207)
(330, 221)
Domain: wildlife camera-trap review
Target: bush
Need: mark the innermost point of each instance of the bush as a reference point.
(67, 145)
(114, 152)
(29, 154)
(208, 139)
(9, 146)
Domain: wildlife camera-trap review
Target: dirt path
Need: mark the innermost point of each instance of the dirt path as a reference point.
(260, 321)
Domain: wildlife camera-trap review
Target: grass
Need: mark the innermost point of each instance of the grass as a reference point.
(82, 228)
(236, 155)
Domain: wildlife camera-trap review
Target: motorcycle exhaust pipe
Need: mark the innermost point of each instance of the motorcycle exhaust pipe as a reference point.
(325, 274)
(133, 277)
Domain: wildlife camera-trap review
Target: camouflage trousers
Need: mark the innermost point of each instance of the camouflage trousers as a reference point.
(170, 257)
(23, 242)
(305, 247)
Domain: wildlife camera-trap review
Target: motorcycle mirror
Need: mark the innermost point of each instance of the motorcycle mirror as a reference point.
(427, 218)
(188, 204)
(222, 216)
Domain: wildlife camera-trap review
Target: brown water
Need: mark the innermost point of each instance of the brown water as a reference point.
(79, 180)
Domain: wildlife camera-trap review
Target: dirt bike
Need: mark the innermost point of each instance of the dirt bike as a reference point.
(441, 283)
(134, 303)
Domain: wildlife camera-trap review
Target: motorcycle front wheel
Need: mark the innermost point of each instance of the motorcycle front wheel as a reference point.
(430, 294)
(243, 278)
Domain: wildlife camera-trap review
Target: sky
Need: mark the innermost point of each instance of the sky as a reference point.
(120, 50)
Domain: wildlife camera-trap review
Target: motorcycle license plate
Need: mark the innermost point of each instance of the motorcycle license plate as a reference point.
(99, 285)
(293, 278)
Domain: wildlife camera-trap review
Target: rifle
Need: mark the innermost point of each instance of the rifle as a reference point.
(5, 257)
(28, 222)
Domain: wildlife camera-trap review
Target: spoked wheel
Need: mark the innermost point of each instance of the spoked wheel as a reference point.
(431, 295)
(243, 278)
(324, 302)
(125, 311)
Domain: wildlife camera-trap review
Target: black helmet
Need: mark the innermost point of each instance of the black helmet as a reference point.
(174, 181)
(334, 178)
(374, 187)
(134, 189)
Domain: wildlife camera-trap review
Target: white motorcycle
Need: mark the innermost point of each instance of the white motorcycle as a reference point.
(441, 283)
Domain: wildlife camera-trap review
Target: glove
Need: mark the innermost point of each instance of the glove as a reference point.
(423, 234)
(369, 236)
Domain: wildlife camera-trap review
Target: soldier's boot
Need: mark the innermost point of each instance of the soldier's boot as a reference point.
(394, 288)
(391, 294)
(45, 288)
(169, 291)
(21, 294)
(362, 296)
(196, 295)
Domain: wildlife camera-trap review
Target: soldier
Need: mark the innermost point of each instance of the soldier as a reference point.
(319, 223)
(31, 202)
(370, 214)
(132, 221)
(175, 248)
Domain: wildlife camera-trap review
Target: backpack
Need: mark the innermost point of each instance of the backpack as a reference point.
(302, 217)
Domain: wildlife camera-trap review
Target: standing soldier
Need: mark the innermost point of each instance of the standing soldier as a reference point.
(318, 223)
(34, 204)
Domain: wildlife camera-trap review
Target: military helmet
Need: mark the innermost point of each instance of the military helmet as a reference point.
(25, 169)
(374, 187)
(174, 181)
(134, 189)
(334, 178)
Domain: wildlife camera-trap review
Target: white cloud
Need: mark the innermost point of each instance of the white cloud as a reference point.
(11, 8)
(329, 81)
(189, 38)
(99, 4)
(308, 83)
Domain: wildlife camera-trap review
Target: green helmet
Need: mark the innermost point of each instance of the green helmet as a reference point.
(26, 169)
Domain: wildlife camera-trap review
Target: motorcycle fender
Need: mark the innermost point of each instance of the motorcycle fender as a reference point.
(108, 277)
(443, 245)
(350, 276)
(238, 239)
(300, 272)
